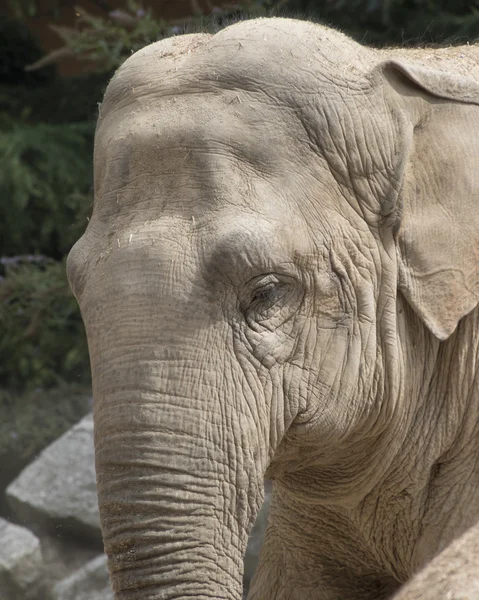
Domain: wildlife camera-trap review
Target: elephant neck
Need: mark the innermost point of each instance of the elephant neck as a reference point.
(446, 433)
(428, 495)
(399, 494)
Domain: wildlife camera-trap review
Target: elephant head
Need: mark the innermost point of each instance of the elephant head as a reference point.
(278, 213)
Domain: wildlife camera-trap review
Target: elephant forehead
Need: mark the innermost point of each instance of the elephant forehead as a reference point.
(153, 163)
(164, 136)
(194, 150)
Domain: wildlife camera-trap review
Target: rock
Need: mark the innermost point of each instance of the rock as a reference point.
(20, 561)
(91, 582)
(58, 489)
(63, 556)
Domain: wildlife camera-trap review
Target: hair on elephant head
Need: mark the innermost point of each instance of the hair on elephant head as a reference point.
(280, 279)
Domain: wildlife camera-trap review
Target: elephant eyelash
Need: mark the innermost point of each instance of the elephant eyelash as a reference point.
(261, 290)
(263, 293)
(263, 299)
(267, 295)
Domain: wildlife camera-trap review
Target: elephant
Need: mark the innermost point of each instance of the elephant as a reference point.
(279, 281)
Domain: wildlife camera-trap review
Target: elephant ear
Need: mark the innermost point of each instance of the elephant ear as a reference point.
(437, 231)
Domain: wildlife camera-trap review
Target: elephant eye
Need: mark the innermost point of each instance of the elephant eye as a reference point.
(268, 294)
(269, 297)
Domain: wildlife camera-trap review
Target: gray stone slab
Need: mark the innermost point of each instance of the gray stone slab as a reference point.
(91, 582)
(58, 489)
(20, 560)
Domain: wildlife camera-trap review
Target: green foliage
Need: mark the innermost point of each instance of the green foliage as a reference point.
(17, 49)
(30, 8)
(397, 22)
(108, 41)
(23, 8)
(43, 340)
(46, 140)
(44, 183)
(56, 101)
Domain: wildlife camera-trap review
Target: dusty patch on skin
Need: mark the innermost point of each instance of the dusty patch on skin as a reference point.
(124, 82)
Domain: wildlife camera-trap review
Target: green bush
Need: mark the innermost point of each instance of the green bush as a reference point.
(108, 41)
(43, 341)
(395, 22)
(44, 182)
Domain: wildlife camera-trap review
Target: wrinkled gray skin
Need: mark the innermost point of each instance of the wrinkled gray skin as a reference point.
(280, 279)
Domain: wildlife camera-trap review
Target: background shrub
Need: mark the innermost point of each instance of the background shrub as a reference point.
(397, 22)
(46, 184)
(43, 342)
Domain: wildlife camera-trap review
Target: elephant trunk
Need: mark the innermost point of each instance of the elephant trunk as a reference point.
(177, 496)
(180, 453)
